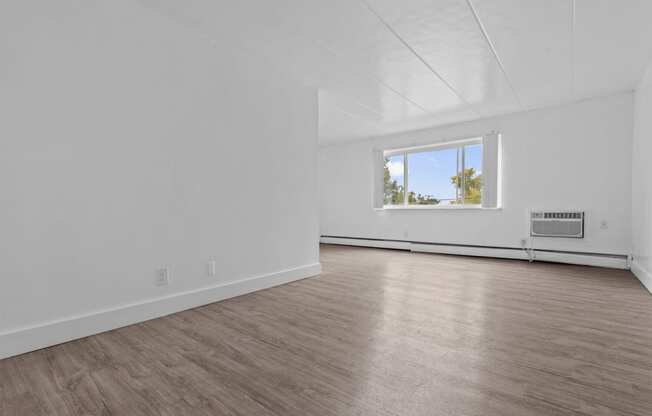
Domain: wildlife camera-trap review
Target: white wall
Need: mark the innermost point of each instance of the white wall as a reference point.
(128, 143)
(571, 157)
(642, 182)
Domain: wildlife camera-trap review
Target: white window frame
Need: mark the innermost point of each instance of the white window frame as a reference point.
(458, 144)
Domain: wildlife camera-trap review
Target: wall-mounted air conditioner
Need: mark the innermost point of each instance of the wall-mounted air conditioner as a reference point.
(568, 224)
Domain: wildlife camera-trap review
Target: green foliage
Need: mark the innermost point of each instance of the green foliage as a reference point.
(418, 199)
(394, 193)
(472, 186)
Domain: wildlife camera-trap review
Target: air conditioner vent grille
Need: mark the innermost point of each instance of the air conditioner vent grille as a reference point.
(569, 224)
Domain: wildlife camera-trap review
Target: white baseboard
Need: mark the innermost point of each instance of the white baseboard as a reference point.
(506, 253)
(643, 275)
(396, 245)
(35, 337)
(470, 251)
(583, 259)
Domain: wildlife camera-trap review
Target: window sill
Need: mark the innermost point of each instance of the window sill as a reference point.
(437, 208)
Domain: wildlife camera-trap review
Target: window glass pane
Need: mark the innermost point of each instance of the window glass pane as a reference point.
(431, 177)
(473, 174)
(393, 179)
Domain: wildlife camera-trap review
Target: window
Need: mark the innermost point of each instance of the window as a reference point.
(394, 180)
(442, 175)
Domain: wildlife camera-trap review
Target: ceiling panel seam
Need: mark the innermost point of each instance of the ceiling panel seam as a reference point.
(352, 115)
(375, 78)
(365, 106)
(493, 51)
(572, 48)
(358, 74)
(415, 53)
(381, 82)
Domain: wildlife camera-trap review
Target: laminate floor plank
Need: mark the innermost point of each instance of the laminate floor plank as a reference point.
(379, 332)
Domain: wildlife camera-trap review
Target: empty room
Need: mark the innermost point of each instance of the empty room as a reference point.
(326, 207)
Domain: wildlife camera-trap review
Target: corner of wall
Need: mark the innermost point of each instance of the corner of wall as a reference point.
(646, 79)
(642, 181)
(643, 275)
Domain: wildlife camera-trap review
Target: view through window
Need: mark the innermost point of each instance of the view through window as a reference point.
(438, 175)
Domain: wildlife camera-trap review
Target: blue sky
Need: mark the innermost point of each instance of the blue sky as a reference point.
(430, 172)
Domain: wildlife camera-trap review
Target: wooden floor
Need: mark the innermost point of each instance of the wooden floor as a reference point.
(378, 333)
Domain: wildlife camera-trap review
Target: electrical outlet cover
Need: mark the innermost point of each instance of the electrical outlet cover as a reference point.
(211, 268)
(162, 277)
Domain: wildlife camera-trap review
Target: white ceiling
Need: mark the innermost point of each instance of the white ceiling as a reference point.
(384, 66)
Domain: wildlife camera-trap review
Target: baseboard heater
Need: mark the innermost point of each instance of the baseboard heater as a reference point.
(616, 261)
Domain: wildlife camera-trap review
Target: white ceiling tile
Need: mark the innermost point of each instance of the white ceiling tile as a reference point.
(533, 41)
(613, 44)
(357, 37)
(340, 120)
(446, 35)
(384, 66)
